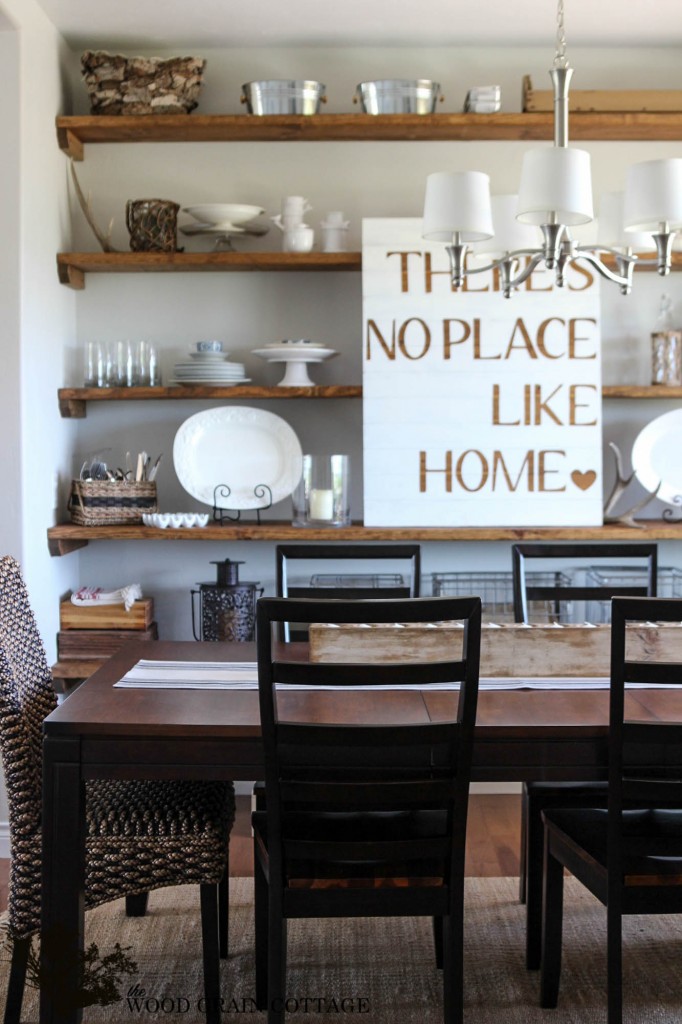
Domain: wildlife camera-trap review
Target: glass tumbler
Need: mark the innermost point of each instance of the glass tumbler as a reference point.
(97, 365)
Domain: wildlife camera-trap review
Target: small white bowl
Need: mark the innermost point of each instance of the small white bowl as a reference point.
(176, 520)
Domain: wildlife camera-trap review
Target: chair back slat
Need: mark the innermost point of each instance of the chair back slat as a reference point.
(354, 675)
(663, 673)
(390, 794)
(399, 739)
(389, 850)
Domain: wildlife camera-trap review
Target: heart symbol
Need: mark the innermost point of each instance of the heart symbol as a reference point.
(583, 480)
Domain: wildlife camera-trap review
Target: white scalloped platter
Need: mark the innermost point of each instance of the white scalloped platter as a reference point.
(242, 448)
(656, 457)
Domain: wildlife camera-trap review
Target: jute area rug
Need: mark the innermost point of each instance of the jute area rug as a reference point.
(381, 971)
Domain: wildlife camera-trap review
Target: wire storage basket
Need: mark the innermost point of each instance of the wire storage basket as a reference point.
(357, 579)
(668, 584)
(497, 594)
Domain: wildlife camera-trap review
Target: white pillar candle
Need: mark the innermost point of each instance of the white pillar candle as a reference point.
(321, 504)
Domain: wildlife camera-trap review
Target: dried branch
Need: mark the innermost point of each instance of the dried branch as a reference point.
(86, 206)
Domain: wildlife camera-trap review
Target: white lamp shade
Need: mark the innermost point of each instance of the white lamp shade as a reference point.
(457, 201)
(611, 231)
(510, 234)
(556, 187)
(653, 195)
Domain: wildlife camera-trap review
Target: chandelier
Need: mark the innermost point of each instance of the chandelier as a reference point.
(555, 195)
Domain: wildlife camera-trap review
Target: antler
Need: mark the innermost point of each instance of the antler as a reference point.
(628, 516)
(85, 205)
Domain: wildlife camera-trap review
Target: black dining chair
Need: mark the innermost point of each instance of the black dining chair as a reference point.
(141, 835)
(536, 796)
(363, 819)
(335, 574)
(629, 855)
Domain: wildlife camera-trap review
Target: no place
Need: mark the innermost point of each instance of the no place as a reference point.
(554, 338)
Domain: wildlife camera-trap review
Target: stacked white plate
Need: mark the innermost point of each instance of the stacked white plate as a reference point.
(209, 368)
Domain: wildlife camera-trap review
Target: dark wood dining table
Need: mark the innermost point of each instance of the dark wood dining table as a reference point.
(102, 731)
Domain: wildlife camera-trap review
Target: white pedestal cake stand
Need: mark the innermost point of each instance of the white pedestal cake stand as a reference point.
(296, 359)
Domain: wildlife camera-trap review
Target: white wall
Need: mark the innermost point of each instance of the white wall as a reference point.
(248, 310)
(44, 312)
(38, 314)
(10, 462)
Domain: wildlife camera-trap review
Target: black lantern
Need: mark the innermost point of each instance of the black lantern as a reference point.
(228, 607)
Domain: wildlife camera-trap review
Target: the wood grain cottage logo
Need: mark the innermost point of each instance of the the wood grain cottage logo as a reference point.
(478, 410)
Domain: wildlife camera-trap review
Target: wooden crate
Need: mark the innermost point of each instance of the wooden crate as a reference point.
(107, 616)
(506, 651)
(74, 644)
(66, 675)
(603, 100)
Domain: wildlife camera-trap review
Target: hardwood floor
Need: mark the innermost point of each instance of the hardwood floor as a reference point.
(492, 839)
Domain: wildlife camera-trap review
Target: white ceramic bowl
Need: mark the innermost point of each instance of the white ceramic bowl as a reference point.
(162, 520)
(224, 214)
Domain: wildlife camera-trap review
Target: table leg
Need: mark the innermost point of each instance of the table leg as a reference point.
(62, 882)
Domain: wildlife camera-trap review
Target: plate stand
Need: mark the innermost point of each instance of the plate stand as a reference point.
(232, 515)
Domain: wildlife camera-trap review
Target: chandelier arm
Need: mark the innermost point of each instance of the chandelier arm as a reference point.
(525, 272)
(509, 257)
(625, 257)
(622, 278)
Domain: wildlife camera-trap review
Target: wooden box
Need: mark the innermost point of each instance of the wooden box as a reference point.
(603, 100)
(506, 651)
(89, 644)
(107, 616)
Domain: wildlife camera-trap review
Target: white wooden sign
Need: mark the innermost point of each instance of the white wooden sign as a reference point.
(478, 410)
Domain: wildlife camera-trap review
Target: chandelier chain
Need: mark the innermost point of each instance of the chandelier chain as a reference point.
(560, 59)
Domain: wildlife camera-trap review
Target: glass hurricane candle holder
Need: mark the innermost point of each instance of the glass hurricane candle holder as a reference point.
(322, 495)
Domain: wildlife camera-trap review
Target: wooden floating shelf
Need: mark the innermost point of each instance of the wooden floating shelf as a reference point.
(649, 391)
(73, 266)
(72, 401)
(68, 537)
(74, 132)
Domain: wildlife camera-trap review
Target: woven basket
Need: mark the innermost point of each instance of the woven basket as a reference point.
(111, 502)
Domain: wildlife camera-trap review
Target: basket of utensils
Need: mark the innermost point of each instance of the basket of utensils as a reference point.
(111, 502)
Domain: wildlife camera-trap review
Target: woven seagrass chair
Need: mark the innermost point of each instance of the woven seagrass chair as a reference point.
(363, 820)
(140, 835)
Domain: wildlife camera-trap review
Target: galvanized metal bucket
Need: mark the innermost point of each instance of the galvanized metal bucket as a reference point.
(283, 96)
(398, 96)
